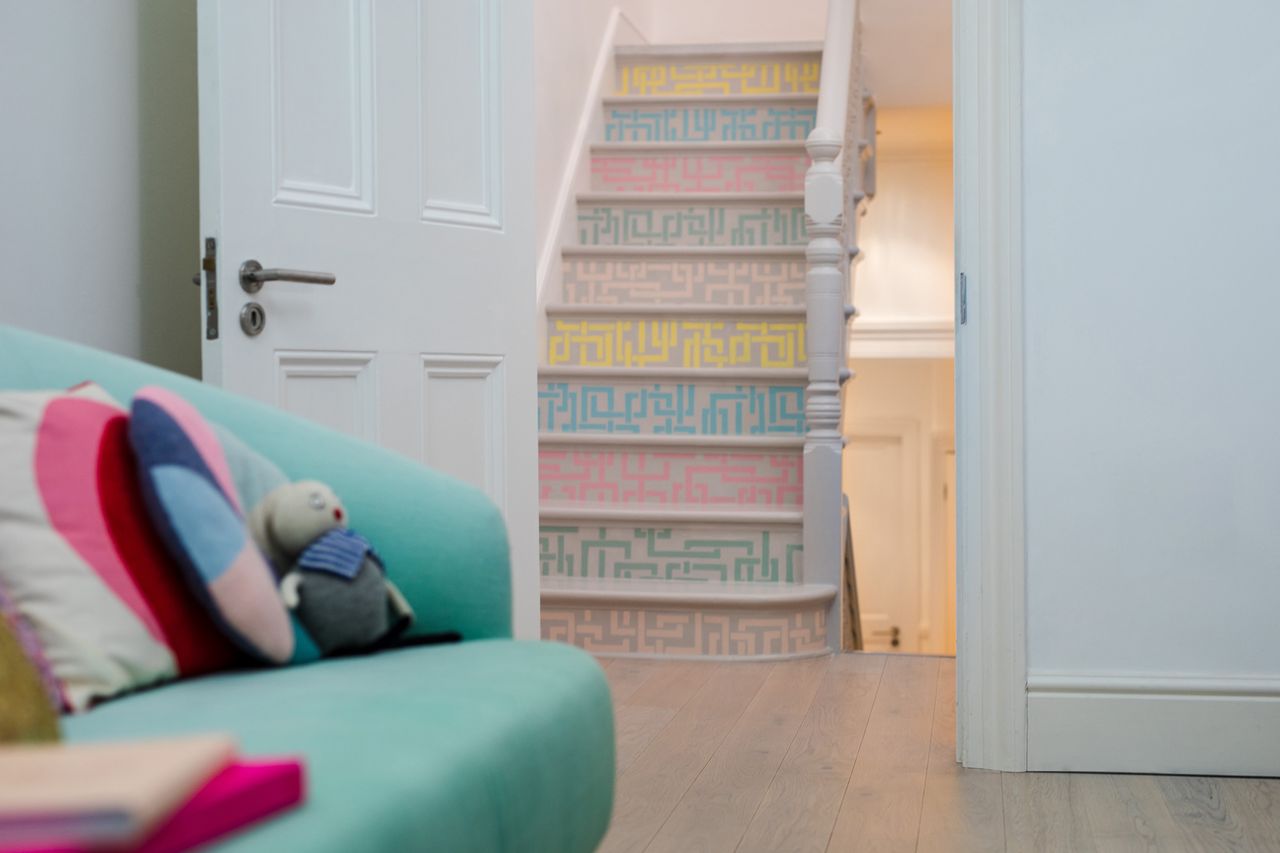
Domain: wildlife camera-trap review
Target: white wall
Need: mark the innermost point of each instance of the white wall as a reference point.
(711, 21)
(98, 206)
(567, 36)
(1153, 466)
(907, 236)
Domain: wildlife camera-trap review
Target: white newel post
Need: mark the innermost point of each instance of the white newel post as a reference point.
(824, 207)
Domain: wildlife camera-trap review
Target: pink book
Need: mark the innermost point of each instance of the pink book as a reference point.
(242, 794)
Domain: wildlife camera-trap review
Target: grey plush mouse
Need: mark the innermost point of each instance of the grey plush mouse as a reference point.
(329, 575)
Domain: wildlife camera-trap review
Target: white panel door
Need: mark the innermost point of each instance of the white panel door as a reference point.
(881, 480)
(384, 142)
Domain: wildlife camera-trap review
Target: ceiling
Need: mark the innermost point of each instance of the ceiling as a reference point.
(906, 48)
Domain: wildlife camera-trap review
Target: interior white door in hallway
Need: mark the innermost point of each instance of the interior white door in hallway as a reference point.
(383, 142)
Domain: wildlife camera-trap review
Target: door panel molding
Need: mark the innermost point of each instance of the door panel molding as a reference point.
(349, 374)
(461, 116)
(478, 382)
(353, 193)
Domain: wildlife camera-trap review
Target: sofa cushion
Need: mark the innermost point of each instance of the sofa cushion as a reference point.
(490, 745)
(192, 500)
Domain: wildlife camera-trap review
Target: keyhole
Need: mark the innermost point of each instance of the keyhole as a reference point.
(253, 319)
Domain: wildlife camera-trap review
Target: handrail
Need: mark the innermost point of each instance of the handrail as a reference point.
(832, 192)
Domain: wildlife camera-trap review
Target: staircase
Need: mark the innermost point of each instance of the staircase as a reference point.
(672, 396)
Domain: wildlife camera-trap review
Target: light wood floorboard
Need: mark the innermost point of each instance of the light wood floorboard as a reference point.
(857, 753)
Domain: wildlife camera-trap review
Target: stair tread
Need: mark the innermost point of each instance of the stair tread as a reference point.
(790, 375)
(690, 594)
(741, 99)
(725, 443)
(678, 310)
(719, 49)
(680, 514)
(658, 251)
(688, 198)
(714, 146)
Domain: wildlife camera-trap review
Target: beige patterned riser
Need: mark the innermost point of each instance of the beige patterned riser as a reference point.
(691, 219)
(737, 628)
(610, 277)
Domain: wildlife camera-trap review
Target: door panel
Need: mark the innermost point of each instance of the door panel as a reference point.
(382, 141)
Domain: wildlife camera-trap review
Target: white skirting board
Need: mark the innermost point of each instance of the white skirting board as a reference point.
(1111, 724)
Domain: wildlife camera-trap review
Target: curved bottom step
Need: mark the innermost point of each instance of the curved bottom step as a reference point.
(713, 621)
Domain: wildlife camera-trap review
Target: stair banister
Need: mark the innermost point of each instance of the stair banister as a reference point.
(831, 195)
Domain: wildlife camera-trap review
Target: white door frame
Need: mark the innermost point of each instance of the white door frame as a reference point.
(991, 649)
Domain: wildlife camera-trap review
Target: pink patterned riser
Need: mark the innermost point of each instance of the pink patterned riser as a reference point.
(678, 633)
(760, 479)
(681, 281)
(699, 173)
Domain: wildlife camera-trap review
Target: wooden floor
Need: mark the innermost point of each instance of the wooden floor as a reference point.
(857, 753)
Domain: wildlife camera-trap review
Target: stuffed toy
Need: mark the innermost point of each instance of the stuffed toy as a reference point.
(329, 576)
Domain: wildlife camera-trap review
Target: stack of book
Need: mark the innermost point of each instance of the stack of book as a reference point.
(159, 796)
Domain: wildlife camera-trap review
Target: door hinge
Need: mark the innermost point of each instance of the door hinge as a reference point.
(210, 266)
(962, 298)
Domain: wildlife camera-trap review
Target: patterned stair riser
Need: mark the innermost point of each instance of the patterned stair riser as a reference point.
(633, 281)
(670, 408)
(679, 554)
(690, 172)
(676, 343)
(739, 76)
(663, 223)
(705, 123)
(759, 479)
(627, 630)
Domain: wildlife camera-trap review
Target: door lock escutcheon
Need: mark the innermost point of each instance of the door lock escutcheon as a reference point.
(253, 319)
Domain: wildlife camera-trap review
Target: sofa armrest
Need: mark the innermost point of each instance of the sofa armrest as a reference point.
(444, 542)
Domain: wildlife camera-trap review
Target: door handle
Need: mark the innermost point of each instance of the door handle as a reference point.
(253, 276)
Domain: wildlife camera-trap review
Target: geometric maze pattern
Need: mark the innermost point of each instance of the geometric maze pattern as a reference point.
(694, 123)
(692, 224)
(683, 281)
(699, 173)
(732, 77)
(757, 479)
(677, 554)
(676, 343)
(624, 630)
(670, 408)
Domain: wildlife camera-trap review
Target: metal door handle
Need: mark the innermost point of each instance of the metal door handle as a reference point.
(253, 276)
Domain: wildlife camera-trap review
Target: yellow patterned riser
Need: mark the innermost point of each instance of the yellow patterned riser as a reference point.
(676, 343)
(747, 76)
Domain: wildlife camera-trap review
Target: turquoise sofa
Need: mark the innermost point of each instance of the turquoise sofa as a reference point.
(486, 745)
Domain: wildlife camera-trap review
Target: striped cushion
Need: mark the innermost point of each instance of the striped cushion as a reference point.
(79, 559)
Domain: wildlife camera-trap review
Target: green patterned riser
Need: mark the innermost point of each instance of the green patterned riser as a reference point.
(657, 223)
(725, 553)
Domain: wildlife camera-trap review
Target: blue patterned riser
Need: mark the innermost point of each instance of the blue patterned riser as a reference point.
(665, 224)
(708, 124)
(681, 554)
(671, 408)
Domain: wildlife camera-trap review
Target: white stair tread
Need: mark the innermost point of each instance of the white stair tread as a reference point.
(707, 252)
(677, 311)
(697, 147)
(738, 99)
(717, 49)
(788, 375)
(724, 443)
(691, 198)
(691, 595)
(677, 514)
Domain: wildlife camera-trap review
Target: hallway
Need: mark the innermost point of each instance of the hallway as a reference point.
(857, 752)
